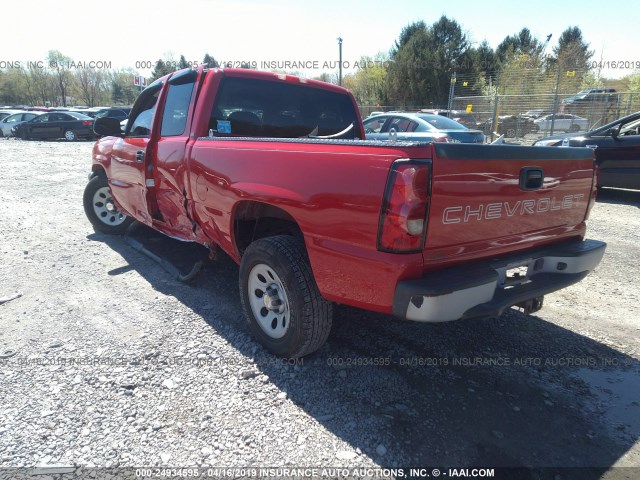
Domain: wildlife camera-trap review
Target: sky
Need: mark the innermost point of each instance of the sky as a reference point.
(135, 34)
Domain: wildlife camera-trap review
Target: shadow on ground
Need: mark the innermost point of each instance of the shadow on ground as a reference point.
(516, 391)
(619, 196)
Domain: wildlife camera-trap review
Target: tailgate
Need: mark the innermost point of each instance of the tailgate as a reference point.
(488, 200)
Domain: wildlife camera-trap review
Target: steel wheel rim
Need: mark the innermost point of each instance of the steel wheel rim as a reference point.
(268, 300)
(105, 209)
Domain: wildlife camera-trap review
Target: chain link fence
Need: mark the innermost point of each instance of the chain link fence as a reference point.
(528, 104)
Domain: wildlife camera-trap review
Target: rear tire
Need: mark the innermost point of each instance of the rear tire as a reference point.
(280, 298)
(101, 210)
(70, 135)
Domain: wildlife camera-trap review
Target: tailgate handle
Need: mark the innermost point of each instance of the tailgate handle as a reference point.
(531, 178)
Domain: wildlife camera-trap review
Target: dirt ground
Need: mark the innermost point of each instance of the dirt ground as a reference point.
(105, 360)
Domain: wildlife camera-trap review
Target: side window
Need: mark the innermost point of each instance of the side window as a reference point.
(412, 127)
(42, 119)
(176, 107)
(391, 123)
(374, 125)
(399, 124)
(139, 124)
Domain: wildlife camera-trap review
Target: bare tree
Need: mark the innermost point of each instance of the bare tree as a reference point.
(59, 65)
(91, 84)
(40, 86)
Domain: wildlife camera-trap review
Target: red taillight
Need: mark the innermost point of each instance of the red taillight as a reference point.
(404, 207)
(87, 122)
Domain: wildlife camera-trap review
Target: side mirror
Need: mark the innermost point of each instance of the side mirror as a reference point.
(615, 131)
(106, 126)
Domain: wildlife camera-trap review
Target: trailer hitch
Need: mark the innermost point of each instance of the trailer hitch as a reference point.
(532, 305)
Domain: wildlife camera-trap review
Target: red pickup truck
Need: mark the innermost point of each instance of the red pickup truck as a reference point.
(274, 170)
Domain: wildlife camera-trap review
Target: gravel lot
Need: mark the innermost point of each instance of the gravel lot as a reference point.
(105, 360)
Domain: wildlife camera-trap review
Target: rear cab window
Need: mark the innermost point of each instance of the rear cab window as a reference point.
(261, 108)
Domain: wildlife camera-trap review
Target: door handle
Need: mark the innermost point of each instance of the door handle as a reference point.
(531, 178)
(140, 156)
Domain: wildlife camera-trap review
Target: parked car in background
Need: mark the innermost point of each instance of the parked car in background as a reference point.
(420, 127)
(5, 113)
(7, 123)
(68, 125)
(595, 101)
(536, 113)
(617, 150)
(598, 95)
(563, 122)
(115, 112)
(511, 126)
(90, 112)
(465, 118)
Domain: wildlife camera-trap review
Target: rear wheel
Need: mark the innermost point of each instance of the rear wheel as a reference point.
(101, 210)
(70, 135)
(511, 132)
(280, 298)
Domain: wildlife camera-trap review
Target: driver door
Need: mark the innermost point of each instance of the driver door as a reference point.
(131, 155)
(619, 158)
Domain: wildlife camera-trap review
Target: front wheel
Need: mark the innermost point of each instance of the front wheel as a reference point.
(101, 210)
(280, 297)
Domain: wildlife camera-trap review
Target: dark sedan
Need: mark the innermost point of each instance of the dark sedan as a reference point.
(511, 126)
(68, 125)
(115, 112)
(617, 151)
(420, 127)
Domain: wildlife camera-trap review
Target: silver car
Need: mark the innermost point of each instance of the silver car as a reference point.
(563, 122)
(7, 123)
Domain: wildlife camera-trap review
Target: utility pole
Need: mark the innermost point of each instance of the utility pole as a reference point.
(555, 100)
(452, 86)
(340, 50)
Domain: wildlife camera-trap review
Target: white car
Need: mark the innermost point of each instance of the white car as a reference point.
(7, 123)
(563, 122)
(5, 112)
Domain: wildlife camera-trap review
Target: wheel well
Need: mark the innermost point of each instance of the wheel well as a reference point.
(255, 220)
(98, 171)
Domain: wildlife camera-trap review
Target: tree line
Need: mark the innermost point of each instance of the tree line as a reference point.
(422, 64)
(58, 81)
